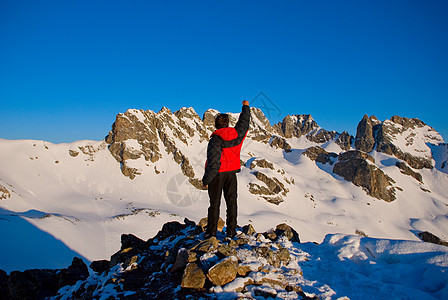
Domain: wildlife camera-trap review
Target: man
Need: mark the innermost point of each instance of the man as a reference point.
(223, 162)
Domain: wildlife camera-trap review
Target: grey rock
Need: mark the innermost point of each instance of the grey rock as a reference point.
(431, 238)
(408, 171)
(345, 140)
(365, 140)
(288, 232)
(319, 154)
(354, 166)
(280, 143)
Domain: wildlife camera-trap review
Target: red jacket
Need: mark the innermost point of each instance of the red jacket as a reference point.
(230, 156)
(224, 147)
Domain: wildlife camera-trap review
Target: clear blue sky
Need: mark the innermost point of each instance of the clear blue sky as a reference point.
(68, 67)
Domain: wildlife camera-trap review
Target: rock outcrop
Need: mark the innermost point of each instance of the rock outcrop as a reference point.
(365, 141)
(404, 169)
(298, 125)
(4, 193)
(428, 237)
(404, 138)
(144, 134)
(359, 168)
(271, 189)
(345, 140)
(174, 265)
(319, 154)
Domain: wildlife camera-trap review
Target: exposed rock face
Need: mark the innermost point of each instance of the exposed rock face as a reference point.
(262, 163)
(144, 136)
(272, 191)
(319, 154)
(364, 140)
(138, 133)
(280, 143)
(408, 171)
(358, 167)
(345, 140)
(404, 138)
(298, 125)
(321, 136)
(431, 238)
(260, 128)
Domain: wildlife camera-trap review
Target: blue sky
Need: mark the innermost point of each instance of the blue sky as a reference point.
(68, 67)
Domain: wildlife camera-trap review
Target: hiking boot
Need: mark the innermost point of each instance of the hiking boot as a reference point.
(209, 235)
(231, 234)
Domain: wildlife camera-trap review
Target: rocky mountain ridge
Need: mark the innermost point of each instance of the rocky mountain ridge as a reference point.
(149, 135)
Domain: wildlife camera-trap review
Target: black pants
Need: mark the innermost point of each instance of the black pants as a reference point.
(227, 183)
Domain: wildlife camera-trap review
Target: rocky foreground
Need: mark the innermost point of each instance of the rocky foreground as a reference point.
(177, 263)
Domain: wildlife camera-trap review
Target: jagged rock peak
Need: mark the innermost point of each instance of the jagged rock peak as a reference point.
(186, 112)
(405, 138)
(298, 125)
(364, 140)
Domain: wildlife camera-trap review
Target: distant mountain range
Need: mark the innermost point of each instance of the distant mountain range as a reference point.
(389, 181)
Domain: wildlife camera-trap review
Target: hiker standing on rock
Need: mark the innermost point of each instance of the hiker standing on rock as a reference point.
(223, 162)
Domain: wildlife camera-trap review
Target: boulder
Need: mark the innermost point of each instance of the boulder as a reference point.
(248, 229)
(193, 277)
(169, 229)
(182, 260)
(224, 271)
(203, 223)
(288, 232)
(33, 284)
(100, 266)
(206, 246)
(226, 250)
(131, 241)
(76, 271)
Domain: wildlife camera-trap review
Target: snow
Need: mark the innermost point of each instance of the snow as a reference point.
(60, 206)
(368, 268)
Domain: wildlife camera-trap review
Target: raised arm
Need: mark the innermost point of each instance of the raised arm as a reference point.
(242, 126)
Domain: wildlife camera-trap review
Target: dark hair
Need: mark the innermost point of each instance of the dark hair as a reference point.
(222, 121)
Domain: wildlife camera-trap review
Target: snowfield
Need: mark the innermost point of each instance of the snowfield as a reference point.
(63, 200)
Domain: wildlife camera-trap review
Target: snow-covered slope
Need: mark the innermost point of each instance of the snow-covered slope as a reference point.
(64, 199)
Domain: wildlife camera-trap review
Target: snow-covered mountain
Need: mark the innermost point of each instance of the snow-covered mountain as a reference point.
(63, 200)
